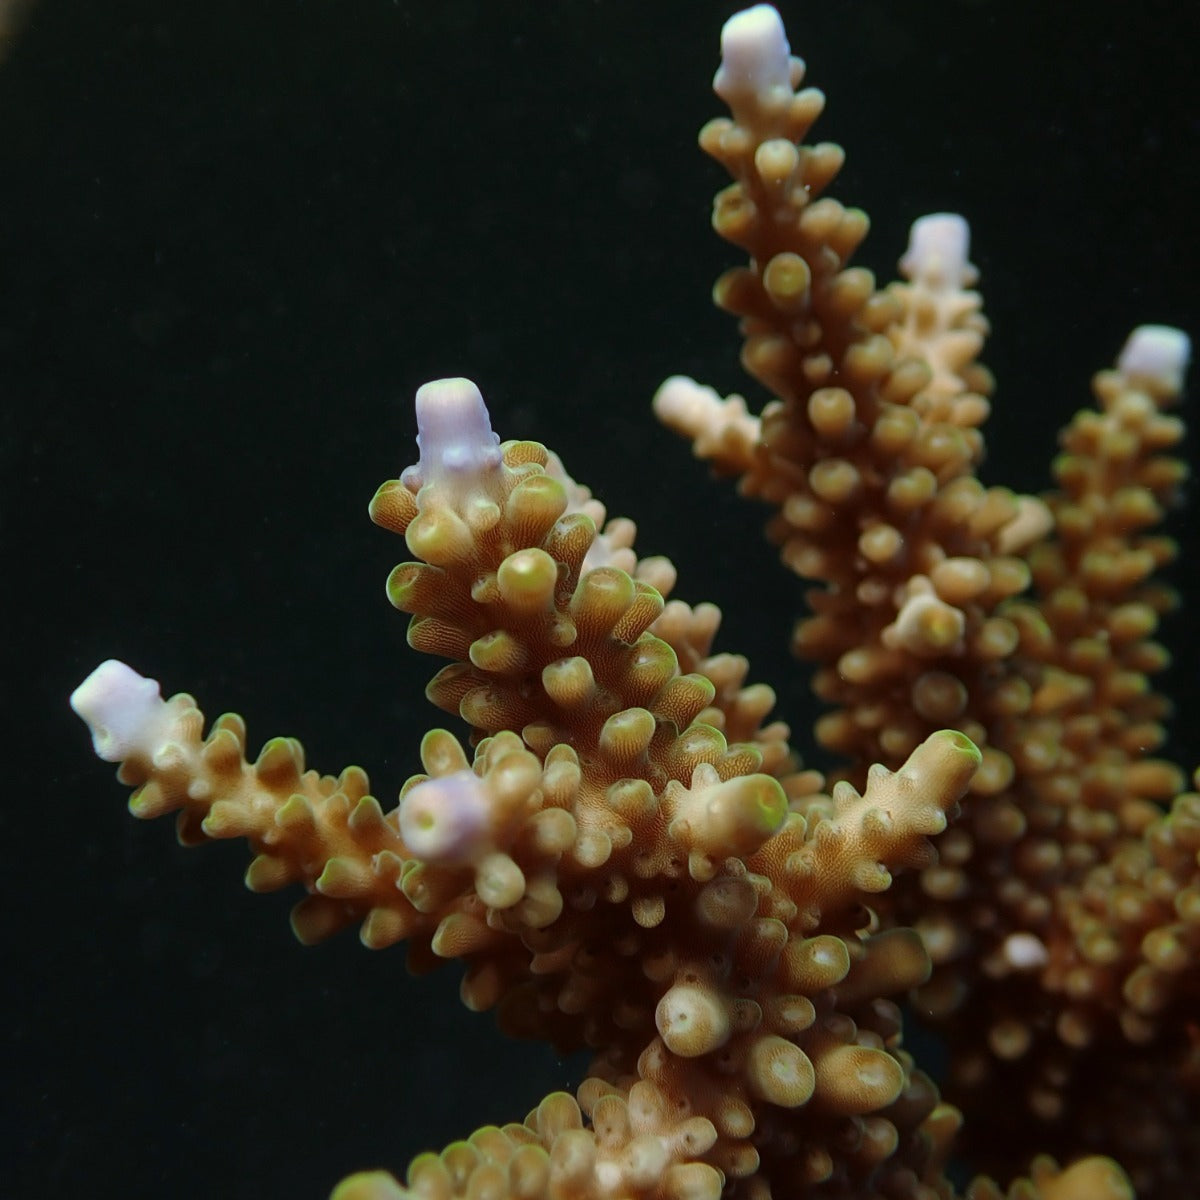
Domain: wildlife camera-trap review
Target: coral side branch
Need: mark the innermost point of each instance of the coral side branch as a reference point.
(746, 960)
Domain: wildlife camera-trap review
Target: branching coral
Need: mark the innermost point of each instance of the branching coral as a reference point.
(631, 860)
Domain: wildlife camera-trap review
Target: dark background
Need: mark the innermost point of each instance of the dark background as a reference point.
(234, 238)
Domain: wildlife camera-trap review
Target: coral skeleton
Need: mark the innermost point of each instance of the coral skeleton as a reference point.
(626, 855)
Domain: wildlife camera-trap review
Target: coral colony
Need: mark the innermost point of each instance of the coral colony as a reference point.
(629, 859)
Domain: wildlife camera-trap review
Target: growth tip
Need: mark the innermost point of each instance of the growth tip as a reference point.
(454, 434)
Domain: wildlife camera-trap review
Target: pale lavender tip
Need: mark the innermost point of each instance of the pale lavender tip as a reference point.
(755, 56)
(454, 433)
(1158, 354)
(938, 246)
(121, 707)
(445, 819)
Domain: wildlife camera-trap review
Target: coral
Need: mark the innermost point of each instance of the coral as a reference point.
(628, 859)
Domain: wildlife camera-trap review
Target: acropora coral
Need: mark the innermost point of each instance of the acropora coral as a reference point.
(627, 856)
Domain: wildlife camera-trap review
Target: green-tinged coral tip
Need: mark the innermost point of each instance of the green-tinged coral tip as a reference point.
(280, 760)
(382, 493)
(771, 805)
(368, 1185)
(400, 585)
(392, 507)
(343, 878)
(959, 741)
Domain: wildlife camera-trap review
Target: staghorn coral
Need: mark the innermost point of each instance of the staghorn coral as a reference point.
(922, 620)
(618, 876)
(618, 872)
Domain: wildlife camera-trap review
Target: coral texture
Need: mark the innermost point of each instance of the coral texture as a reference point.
(628, 858)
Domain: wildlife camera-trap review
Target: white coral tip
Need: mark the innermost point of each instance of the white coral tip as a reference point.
(445, 819)
(681, 402)
(755, 56)
(123, 709)
(938, 246)
(454, 433)
(1025, 952)
(1157, 354)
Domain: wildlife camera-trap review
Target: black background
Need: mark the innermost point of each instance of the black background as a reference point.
(234, 238)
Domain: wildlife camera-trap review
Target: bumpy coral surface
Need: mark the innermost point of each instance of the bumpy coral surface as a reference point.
(626, 856)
